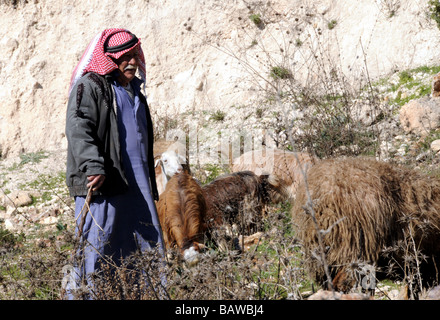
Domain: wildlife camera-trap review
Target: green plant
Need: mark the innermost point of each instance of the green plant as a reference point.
(259, 113)
(29, 158)
(279, 73)
(218, 116)
(408, 84)
(390, 7)
(33, 157)
(434, 11)
(332, 24)
(256, 18)
(427, 70)
(405, 77)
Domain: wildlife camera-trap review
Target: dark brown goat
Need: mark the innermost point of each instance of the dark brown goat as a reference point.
(182, 209)
(227, 195)
(366, 208)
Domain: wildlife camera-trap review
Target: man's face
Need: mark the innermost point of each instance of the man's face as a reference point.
(127, 65)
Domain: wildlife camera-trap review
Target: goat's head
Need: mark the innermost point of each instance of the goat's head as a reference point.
(273, 188)
(171, 163)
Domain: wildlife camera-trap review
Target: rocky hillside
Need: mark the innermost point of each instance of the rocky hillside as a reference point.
(202, 56)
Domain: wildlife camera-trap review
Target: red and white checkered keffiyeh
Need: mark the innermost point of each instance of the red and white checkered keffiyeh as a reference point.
(95, 59)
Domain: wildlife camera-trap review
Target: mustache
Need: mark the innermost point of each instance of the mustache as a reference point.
(130, 67)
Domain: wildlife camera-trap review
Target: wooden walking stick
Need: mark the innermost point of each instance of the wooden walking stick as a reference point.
(83, 214)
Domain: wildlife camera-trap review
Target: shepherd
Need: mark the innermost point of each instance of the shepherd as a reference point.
(110, 153)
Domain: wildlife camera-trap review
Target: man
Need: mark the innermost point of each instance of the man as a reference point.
(110, 152)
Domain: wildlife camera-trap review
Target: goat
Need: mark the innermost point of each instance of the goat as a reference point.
(182, 209)
(226, 196)
(284, 164)
(366, 207)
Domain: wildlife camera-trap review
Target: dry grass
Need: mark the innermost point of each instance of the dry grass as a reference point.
(269, 269)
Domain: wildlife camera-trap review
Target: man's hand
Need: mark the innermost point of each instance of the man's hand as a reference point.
(96, 181)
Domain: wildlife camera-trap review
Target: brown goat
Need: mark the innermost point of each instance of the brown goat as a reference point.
(226, 196)
(182, 209)
(286, 165)
(365, 207)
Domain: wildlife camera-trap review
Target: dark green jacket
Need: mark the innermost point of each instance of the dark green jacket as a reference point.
(93, 138)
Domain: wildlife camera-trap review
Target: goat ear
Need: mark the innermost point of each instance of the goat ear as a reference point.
(157, 162)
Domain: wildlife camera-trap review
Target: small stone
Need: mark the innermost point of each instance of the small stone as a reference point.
(9, 225)
(435, 145)
(49, 220)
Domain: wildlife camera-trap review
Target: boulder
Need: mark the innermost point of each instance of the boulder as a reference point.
(420, 116)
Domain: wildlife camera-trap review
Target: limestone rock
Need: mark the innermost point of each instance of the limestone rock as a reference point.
(17, 199)
(420, 116)
(49, 220)
(9, 225)
(435, 145)
(245, 242)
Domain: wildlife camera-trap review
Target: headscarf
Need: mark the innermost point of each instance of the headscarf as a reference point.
(110, 43)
